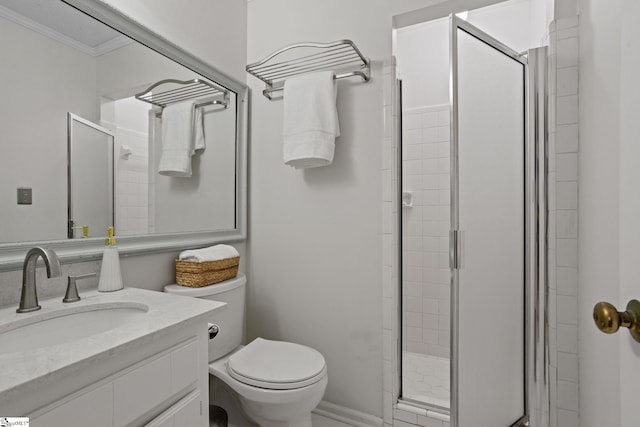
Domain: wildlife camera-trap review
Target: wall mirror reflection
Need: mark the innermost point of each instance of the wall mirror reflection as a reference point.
(59, 61)
(90, 178)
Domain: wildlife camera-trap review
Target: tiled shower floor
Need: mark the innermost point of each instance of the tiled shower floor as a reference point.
(425, 379)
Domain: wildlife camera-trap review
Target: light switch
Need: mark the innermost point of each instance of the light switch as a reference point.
(24, 196)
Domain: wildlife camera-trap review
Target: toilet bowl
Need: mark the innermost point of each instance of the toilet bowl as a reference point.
(277, 383)
(274, 397)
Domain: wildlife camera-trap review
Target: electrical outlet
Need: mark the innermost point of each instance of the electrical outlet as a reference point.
(24, 196)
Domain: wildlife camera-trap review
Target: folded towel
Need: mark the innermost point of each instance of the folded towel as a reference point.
(182, 134)
(212, 253)
(310, 120)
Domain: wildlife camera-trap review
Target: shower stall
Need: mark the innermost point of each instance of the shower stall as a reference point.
(472, 167)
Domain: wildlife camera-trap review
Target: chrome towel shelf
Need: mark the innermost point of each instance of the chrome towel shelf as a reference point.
(343, 57)
(171, 91)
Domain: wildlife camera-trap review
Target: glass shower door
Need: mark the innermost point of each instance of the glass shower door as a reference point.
(90, 178)
(488, 238)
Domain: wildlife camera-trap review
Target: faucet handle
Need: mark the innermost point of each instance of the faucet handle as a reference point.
(72, 290)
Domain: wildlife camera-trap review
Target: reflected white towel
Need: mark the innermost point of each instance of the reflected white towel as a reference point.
(182, 134)
(310, 120)
(198, 123)
(212, 253)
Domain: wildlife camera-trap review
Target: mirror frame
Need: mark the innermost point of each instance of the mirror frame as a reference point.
(81, 250)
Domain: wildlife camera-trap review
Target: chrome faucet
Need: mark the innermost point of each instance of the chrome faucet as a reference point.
(29, 297)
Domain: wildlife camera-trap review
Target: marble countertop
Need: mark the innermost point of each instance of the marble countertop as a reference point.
(166, 313)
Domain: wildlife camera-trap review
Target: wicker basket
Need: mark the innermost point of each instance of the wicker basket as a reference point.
(196, 274)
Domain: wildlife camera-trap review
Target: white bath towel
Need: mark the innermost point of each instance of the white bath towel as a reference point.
(182, 135)
(310, 120)
(212, 253)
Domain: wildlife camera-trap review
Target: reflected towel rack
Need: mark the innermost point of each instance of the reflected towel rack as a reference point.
(174, 91)
(341, 56)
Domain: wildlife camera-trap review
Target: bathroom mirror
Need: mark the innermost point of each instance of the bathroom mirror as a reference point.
(84, 59)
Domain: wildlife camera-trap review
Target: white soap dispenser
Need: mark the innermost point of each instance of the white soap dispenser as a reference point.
(110, 276)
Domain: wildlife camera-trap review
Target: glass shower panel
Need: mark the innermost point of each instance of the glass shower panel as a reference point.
(423, 63)
(489, 283)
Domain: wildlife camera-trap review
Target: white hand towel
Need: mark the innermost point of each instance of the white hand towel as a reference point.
(310, 120)
(182, 134)
(212, 253)
(198, 123)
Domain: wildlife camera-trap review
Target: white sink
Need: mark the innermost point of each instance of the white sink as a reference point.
(67, 324)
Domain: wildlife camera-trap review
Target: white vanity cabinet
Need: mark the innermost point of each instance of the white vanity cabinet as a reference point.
(149, 371)
(161, 390)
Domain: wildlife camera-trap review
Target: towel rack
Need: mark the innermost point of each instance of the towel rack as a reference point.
(341, 56)
(174, 91)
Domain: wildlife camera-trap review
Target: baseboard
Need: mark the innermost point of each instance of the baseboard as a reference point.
(347, 415)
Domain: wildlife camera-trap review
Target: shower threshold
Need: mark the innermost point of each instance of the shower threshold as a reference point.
(425, 379)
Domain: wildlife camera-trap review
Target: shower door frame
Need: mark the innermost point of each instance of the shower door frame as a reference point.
(535, 160)
(455, 243)
(536, 194)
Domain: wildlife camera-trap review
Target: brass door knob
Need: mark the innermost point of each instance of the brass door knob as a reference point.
(608, 319)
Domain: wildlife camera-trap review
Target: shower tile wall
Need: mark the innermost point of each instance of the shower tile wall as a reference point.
(563, 223)
(425, 251)
(131, 183)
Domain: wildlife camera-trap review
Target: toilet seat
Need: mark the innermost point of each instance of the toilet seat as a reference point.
(276, 365)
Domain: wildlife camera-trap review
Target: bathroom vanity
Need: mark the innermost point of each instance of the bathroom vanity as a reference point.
(128, 358)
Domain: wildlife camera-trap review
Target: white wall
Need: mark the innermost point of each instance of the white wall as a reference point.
(540, 15)
(422, 54)
(315, 236)
(38, 90)
(509, 22)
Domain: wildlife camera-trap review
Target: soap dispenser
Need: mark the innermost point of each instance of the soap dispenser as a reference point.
(110, 276)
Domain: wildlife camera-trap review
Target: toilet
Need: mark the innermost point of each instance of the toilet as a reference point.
(277, 383)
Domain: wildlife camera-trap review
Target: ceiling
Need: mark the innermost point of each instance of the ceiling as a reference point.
(55, 18)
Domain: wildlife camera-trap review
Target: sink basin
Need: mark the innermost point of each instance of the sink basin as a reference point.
(64, 325)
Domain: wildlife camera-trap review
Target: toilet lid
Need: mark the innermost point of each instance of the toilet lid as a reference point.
(276, 365)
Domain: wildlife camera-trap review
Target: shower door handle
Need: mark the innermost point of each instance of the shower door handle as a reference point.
(608, 319)
(455, 249)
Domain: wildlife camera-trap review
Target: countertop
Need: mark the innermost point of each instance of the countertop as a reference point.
(20, 371)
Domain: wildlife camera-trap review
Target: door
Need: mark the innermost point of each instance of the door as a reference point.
(488, 238)
(629, 198)
(90, 178)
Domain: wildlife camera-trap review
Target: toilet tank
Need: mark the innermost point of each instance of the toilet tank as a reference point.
(230, 320)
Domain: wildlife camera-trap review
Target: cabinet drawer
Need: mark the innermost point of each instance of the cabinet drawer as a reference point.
(184, 366)
(141, 390)
(94, 408)
(186, 412)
